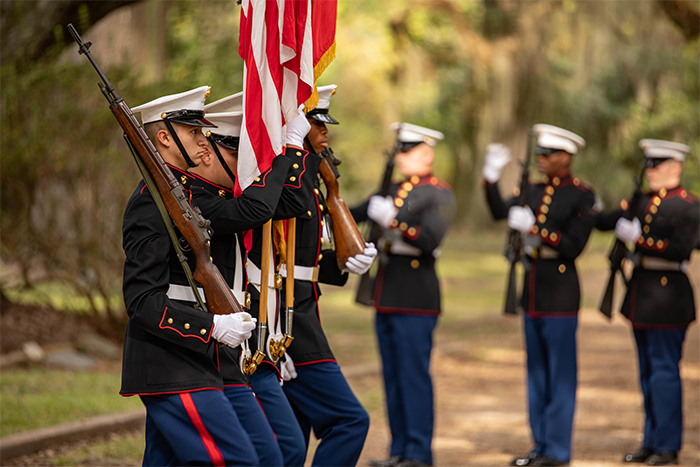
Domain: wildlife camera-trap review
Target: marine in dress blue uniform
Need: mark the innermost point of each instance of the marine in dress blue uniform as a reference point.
(659, 302)
(417, 215)
(170, 348)
(557, 219)
(319, 394)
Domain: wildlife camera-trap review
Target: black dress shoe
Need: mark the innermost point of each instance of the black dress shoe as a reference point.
(412, 463)
(640, 456)
(663, 458)
(393, 461)
(547, 462)
(525, 460)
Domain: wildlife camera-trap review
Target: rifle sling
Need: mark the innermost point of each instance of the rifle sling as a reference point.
(155, 194)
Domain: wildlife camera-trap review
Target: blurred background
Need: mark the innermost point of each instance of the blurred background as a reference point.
(480, 71)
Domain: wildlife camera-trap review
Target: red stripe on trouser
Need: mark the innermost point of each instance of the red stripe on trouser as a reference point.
(214, 453)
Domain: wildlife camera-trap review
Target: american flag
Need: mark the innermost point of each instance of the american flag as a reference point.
(285, 46)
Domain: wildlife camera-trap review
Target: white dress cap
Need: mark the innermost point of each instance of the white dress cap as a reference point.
(192, 100)
(660, 149)
(232, 103)
(553, 137)
(320, 112)
(410, 133)
(227, 123)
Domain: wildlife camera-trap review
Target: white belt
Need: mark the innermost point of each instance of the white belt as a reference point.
(399, 247)
(274, 281)
(653, 263)
(185, 293)
(301, 273)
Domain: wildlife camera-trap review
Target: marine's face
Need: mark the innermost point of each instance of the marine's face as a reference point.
(554, 163)
(664, 175)
(416, 161)
(193, 140)
(318, 135)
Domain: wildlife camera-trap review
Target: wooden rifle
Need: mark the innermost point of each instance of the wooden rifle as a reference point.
(189, 221)
(346, 236)
(514, 245)
(365, 292)
(619, 250)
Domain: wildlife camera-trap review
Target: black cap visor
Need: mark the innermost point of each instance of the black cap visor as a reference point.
(546, 152)
(405, 146)
(228, 142)
(189, 117)
(322, 115)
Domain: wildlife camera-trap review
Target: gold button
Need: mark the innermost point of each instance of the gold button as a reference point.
(541, 218)
(316, 190)
(320, 257)
(664, 281)
(547, 199)
(660, 244)
(296, 166)
(323, 223)
(322, 240)
(549, 190)
(407, 186)
(163, 115)
(577, 182)
(403, 226)
(170, 321)
(562, 268)
(556, 181)
(646, 229)
(394, 223)
(202, 331)
(403, 193)
(648, 218)
(308, 213)
(415, 263)
(653, 209)
(640, 240)
(183, 179)
(292, 179)
(208, 134)
(320, 207)
(398, 202)
(247, 300)
(683, 194)
(257, 179)
(298, 153)
(657, 200)
(211, 260)
(662, 192)
(544, 209)
(411, 231)
(544, 232)
(415, 179)
(624, 205)
(553, 236)
(535, 229)
(433, 180)
(278, 281)
(650, 241)
(187, 325)
(222, 193)
(516, 191)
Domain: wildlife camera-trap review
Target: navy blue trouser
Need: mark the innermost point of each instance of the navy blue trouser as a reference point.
(195, 428)
(255, 423)
(551, 383)
(266, 385)
(405, 343)
(659, 353)
(323, 401)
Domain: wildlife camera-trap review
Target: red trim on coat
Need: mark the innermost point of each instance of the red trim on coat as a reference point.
(209, 182)
(144, 187)
(551, 314)
(547, 239)
(325, 360)
(160, 325)
(303, 164)
(531, 288)
(236, 386)
(167, 392)
(412, 237)
(406, 311)
(263, 176)
(217, 459)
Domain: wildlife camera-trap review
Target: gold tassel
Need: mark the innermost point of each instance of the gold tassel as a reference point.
(279, 240)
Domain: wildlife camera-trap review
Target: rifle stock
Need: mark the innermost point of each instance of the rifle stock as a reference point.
(189, 221)
(618, 252)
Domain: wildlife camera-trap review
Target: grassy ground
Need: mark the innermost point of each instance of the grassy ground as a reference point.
(478, 367)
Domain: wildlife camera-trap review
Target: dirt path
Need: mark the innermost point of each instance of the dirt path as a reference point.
(481, 414)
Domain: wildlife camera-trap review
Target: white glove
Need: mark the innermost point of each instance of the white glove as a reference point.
(297, 129)
(497, 156)
(628, 230)
(232, 329)
(521, 218)
(360, 264)
(287, 368)
(381, 210)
